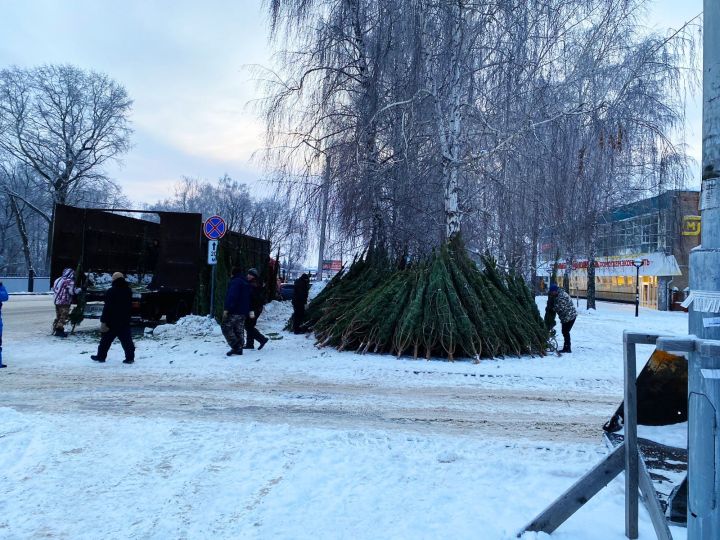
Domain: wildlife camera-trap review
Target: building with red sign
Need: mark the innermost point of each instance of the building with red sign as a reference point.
(660, 231)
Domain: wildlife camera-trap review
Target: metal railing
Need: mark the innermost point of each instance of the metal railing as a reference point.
(703, 432)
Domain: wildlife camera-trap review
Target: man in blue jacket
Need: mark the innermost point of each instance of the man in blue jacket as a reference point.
(3, 298)
(237, 308)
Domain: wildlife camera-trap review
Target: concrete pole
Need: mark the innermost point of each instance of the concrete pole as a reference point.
(703, 485)
(323, 217)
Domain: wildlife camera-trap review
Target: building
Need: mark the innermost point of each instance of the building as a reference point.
(659, 231)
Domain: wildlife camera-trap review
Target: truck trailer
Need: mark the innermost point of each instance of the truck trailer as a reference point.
(162, 254)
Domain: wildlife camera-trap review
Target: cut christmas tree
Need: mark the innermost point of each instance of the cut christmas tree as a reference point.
(445, 306)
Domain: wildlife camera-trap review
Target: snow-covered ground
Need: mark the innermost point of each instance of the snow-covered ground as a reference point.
(299, 442)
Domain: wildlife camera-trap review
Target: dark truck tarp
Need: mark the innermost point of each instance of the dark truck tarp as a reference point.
(170, 246)
(102, 241)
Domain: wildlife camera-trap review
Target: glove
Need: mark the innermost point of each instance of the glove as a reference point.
(104, 328)
(252, 314)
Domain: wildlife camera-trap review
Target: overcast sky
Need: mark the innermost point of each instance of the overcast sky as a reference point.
(186, 64)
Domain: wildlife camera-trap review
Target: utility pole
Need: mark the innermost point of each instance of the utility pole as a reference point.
(704, 318)
(323, 216)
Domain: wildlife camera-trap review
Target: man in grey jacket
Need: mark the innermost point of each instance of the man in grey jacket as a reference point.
(563, 306)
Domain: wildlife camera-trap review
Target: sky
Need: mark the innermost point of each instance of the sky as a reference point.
(190, 66)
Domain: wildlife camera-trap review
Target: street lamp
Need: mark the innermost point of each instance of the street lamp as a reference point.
(637, 263)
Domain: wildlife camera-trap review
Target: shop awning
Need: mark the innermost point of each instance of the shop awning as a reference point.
(654, 264)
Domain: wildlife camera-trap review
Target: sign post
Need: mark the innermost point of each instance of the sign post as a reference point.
(214, 229)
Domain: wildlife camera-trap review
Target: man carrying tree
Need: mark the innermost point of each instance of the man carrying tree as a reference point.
(562, 305)
(115, 320)
(64, 289)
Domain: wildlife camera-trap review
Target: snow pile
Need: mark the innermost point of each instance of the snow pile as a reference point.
(192, 325)
(276, 312)
(104, 278)
(316, 287)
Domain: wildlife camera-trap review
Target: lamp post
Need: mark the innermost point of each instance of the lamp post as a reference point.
(637, 263)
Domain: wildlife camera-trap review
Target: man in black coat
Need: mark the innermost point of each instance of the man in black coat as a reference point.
(115, 320)
(300, 298)
(257, 302)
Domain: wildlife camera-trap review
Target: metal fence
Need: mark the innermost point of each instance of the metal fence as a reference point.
(15, 284)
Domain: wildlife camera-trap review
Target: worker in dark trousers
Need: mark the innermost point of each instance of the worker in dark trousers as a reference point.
(566, 312)
(300, 298)
(237, 309)
(3, 298)
(257, 302)
(115, 320)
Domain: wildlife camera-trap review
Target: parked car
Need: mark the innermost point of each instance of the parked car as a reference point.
(287, 290)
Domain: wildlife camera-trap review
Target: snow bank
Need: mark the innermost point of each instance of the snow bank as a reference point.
(276, 312)
(192, 325)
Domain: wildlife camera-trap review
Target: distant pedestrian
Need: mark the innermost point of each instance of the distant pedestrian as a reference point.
(237, 309)
(3, 298)
(64, 289)
(257, 303)
(563, 306)
(115, 320)
(301, 291)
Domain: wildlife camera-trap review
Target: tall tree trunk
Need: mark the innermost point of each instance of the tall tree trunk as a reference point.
(450, 128)
(22, 230)
(535, 238)
(590, 293)
(566, 274)
(323, 217)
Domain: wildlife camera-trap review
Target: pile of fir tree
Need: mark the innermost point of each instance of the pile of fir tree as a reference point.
(445, 306)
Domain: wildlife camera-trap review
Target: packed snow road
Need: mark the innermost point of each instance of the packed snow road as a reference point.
(299, 442)
(435, 399)
(476, 412)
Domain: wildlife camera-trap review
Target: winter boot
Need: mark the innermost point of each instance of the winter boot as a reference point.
(566, 349)
(128, 361)
(60, 332)
(262, 343)
(96, 358)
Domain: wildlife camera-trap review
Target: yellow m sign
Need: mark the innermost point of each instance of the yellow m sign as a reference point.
(691, 225)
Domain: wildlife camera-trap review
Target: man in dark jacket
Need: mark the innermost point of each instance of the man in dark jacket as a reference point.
(563, 306)
(300, 298)
(257, 302)
(237, 309)
(115, 320)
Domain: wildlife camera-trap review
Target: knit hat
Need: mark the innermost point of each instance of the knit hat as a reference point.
(553, 287)
(117, 275)
(254, 272)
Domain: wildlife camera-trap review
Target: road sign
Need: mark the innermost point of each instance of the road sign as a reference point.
(212, 251)
(214, 228)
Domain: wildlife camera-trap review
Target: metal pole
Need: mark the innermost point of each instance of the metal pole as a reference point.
(637, 290)
(212, 291)
(631, 445)
(703, 508)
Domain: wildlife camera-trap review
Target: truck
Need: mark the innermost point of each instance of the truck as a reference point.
(162, 254)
